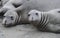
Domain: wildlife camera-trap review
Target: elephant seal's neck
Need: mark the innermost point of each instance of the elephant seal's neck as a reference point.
(18, 17)
(43, 22)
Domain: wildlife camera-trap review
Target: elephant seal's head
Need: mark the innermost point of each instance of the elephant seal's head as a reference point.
(10, 18)
(34, 16)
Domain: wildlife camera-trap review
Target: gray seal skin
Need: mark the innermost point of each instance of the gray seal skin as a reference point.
(42, 5)
(45, 21)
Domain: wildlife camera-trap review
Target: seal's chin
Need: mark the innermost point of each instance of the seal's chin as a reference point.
(34, 22)
(8, 25)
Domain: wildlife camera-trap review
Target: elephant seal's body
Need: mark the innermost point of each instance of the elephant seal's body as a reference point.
(45, 21)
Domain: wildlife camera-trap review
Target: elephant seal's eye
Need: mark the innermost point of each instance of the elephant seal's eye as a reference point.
(28, 14)
(58, 11)
(12, 18)
(36, 13)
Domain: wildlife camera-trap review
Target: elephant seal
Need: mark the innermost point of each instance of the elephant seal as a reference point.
(45, 21)
(24, 6)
